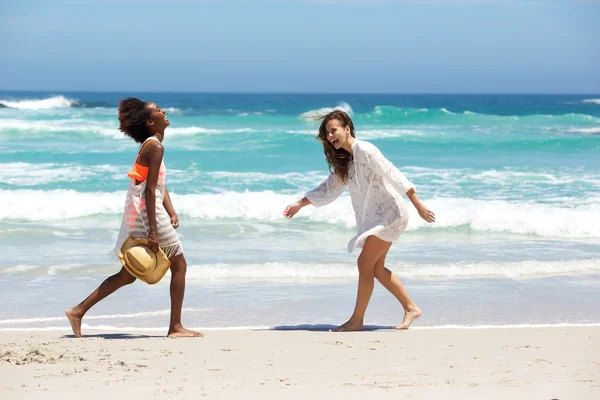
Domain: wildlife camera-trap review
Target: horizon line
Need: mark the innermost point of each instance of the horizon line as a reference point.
(59, 91)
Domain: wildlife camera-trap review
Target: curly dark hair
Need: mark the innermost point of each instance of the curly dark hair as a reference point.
(133, 115)
(337, 159)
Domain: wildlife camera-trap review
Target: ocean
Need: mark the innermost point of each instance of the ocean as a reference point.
(514, 181)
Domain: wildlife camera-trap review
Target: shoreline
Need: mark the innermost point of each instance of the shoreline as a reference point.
(304, 327)
(453, 363)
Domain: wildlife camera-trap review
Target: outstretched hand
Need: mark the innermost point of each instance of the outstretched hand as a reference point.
(426, 214)
(291, 210)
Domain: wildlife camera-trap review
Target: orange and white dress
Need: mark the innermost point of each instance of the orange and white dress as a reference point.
(135, 217)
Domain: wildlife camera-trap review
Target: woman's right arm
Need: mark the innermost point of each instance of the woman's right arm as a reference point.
(329, 190)
(293, 208)
(154, 153)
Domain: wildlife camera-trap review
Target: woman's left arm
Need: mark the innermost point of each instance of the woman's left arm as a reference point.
(170, 210)
(423, 211)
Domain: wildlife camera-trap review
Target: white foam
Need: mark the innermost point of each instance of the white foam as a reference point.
(326, 110)
(265, 205)
(479, 215)
(593, 101)
(302, 271)
(56, 269)
(246, 114)
(18, 269)
(293, 178)
(513, 217)
(312, 132)
(527, 218)
(519, 269)
(173, 111)
(40, 104)
(587, 131)
(369, 134)
(63, 125)
(53, 205)
(292, 271)
(380, 111)
(327, 271)
(109, 129)
(507, 177)
(27, 174)
(194, 130)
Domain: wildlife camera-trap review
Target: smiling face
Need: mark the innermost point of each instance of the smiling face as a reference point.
(337, 133)
(157, 121)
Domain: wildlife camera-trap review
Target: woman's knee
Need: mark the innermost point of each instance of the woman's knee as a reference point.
(380, 271)
(365, 266)
(178, 265)
(126, 277)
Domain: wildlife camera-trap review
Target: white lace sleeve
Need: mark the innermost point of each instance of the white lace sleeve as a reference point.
(329, 190)
(384, 167)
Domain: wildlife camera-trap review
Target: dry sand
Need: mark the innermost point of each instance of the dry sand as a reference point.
(512, 363)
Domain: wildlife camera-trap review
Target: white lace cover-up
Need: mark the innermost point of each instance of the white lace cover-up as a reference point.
(376, 188)
(135, 217)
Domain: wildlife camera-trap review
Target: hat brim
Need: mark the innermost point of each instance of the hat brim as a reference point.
(162, 261)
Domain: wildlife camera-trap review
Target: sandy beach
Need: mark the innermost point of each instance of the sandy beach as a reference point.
(304, 164)
(498, 363)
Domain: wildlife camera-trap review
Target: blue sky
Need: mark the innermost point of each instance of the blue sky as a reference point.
(301, 46)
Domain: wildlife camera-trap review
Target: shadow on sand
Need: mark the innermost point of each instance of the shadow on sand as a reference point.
(325, 327)
(113, 336)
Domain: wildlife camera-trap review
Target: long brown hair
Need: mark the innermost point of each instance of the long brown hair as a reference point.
(337, 159)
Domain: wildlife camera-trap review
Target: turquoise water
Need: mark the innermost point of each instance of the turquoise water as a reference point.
(514, 182)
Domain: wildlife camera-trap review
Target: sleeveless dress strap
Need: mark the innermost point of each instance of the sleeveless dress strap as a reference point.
(137, 160)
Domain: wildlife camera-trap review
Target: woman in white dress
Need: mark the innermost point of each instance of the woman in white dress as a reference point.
(376, 188)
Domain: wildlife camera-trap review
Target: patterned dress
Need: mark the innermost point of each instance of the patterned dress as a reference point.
(135, 217)
(376, 188)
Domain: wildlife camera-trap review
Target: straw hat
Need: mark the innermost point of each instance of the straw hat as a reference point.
(139, 259)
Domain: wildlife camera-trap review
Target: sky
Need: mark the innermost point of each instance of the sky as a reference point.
(331, 46)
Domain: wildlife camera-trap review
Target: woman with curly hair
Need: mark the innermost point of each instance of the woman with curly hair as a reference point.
(376, 189)
(148, 212)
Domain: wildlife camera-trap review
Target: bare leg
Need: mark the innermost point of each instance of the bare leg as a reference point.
(110, 285)
(391, 282)
(373, 249)
(178, 270)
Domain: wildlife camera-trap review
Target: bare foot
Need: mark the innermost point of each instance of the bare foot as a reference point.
(410, 317)
(348, 327)
(75, 322)
(180, 331)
